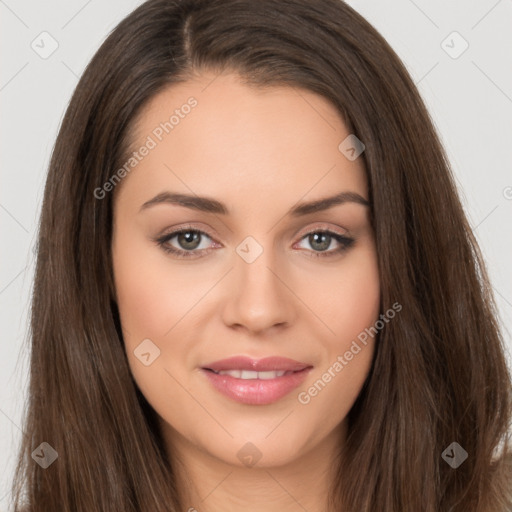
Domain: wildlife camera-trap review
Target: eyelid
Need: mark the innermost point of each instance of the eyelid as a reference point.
(318, 227)
(163, 239)
(322, 226)
(185, 227)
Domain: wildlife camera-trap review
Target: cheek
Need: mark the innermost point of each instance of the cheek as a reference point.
(358, 299)
(146, 300)
(359, 311)
(140, 299)
(151, 296)
(346, 297)
(350, 309)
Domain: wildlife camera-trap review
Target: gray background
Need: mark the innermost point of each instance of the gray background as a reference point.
(469, 97)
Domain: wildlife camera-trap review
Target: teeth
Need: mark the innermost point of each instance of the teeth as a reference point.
(248, 374)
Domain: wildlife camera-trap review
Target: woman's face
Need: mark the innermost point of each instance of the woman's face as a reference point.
(256, 274)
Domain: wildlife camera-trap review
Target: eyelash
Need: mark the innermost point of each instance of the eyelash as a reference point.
(344, 241)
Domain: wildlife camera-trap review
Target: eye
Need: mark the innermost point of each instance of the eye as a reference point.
(189, 243)
(322, 240)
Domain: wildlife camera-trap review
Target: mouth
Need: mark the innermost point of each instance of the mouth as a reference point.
(249, 374)
(256, 382)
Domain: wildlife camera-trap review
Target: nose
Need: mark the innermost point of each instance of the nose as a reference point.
(259, 297)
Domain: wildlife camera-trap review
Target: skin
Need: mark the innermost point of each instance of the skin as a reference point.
(260, 152)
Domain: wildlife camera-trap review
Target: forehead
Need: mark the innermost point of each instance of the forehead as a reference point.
(215, 135)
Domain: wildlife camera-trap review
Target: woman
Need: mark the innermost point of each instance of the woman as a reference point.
(255, 285)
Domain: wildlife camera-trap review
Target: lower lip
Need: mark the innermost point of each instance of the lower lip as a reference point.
(256, 391)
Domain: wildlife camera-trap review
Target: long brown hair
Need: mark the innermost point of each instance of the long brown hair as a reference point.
(439, 373)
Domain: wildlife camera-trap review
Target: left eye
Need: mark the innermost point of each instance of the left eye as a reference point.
(189, 243)
(322, 240)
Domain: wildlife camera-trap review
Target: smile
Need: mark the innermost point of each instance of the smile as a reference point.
(248, 374)
(256, 382)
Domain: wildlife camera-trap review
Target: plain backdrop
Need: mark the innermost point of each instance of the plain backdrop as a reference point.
(468, 92)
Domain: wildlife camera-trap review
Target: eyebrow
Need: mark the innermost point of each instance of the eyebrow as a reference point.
(209, 205)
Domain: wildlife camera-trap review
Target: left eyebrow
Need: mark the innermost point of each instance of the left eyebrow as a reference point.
(326, 203)
(209, 205)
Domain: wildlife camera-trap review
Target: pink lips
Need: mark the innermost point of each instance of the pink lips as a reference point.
(256, 391)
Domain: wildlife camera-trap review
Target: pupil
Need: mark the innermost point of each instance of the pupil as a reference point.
(188, 239)
(313, 239)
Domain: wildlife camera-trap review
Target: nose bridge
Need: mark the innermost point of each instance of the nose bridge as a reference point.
(259, 298)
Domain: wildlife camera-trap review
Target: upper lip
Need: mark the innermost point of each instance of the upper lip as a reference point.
(257, 365)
